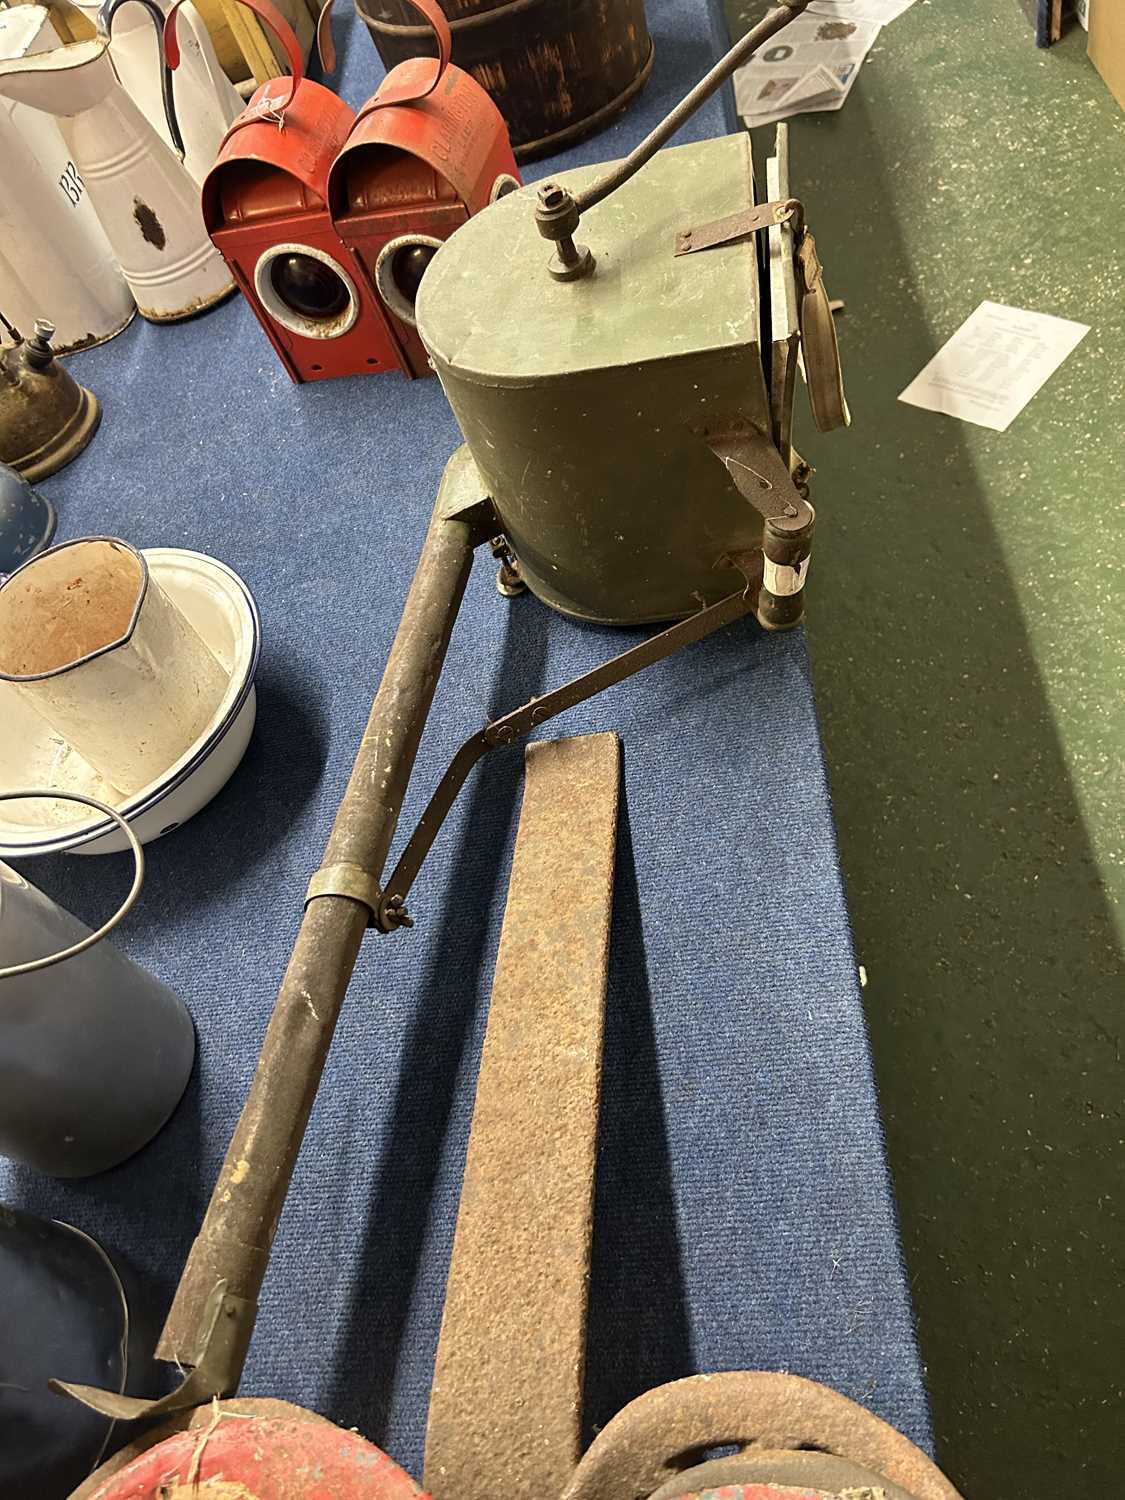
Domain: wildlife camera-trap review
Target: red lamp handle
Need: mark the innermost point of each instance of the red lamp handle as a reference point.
(410, 93)
(269, 14)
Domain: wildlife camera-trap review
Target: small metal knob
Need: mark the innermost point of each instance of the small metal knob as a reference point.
(38, 353)
(556, 218)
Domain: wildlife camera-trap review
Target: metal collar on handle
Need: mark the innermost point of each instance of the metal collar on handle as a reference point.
(409, 93)
(105, 23)
(33, 964)
(558, 210)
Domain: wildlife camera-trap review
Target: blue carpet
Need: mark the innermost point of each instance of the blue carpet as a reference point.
(744, 1212)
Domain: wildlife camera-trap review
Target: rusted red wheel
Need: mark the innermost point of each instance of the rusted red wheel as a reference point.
(237, 1457)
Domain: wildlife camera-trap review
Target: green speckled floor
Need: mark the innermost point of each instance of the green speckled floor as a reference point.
(968, 635)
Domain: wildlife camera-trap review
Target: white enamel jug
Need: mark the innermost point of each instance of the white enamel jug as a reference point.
(206, 100)
(55, 259)
(146, 200)
(98, 649)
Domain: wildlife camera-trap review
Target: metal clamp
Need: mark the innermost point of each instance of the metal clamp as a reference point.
(351, 881)
(212, 1368)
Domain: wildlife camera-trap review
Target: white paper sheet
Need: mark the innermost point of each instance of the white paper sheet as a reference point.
(993, 365)
(879, 11)
(819, 87)
(782, 79)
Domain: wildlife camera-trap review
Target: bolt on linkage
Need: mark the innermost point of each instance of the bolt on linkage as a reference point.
(393, 914)
(508, 580)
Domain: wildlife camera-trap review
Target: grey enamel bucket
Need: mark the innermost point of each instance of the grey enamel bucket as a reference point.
(95, 1052)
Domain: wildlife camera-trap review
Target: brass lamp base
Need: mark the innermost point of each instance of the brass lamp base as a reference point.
(46, 417)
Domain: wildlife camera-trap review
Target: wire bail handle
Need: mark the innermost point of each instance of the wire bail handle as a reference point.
(32, 965)
(105, 24)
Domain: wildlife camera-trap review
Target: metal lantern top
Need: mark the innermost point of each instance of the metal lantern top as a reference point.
(291, 125)
(454, 136)
(261, 169)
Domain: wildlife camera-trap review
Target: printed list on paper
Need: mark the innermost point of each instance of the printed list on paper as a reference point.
(993, 365)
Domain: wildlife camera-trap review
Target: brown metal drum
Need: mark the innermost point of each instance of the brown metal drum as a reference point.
(557, 69)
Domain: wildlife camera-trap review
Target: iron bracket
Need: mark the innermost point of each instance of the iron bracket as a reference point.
(226, 1327)
(480, 517)
(818, 335)
(392, 912)
(348, 880)
(761, 478)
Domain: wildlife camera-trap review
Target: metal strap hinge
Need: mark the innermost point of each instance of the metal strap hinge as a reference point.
(212, 1369)
(742, 225)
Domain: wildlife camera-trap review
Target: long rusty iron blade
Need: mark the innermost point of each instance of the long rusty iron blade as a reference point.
(506, 1408)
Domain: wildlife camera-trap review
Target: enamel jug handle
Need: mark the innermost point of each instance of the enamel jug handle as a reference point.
(281, 29)
(105, 22)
